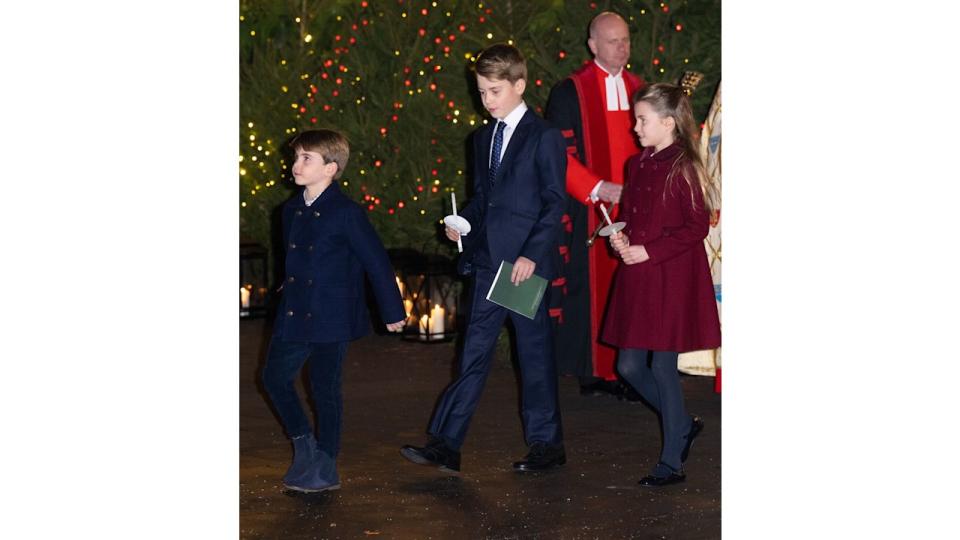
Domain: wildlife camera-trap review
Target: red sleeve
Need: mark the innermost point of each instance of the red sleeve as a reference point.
(580, 180)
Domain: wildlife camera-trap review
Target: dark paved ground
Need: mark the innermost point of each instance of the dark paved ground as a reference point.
(390, 387)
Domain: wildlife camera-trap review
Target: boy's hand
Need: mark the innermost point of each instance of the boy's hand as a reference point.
(522, 270)
(619, 241)
(634, 254)
(395, 326)
(452, 234)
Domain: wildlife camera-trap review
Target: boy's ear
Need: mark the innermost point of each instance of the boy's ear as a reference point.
(336, 167)
(520, 85)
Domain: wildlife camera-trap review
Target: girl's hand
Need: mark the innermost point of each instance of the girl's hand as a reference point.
(452, 234)
(619, 241)
(634, 254)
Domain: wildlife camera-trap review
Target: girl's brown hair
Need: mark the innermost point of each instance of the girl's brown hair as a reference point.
(670, 101)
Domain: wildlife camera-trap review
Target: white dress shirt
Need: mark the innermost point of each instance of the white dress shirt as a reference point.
(511, 122)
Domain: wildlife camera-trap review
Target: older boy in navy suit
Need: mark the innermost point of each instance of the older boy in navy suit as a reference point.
(519, 169)
(329, 246)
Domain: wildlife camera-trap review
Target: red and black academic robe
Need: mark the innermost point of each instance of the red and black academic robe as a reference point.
(599, 142)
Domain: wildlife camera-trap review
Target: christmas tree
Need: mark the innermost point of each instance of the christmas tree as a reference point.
(394, 77)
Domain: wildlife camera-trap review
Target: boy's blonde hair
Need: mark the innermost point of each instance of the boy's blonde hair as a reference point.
(331, 145)
(501, 61)
(671, 101)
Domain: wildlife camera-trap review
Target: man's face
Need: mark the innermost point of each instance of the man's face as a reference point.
(611, 44)
(500, 97)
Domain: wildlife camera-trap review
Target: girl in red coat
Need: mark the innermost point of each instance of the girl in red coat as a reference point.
(663, 300)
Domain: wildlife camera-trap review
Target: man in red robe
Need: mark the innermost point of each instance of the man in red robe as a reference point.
(592, 109)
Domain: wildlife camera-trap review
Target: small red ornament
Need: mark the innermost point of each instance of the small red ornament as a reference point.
(420, 189)
(462, 28)
(377, 163)
(364, 4)
(326, 107)
(437, 40)
(313, 120)
(383, 131)
(434, 189)
(539, 82)
(433, 87)
(660, 48)
(426, 59)
(679, 27)
(339, 80)
(303, 109)
(390, 211)
(353, 26)
(450, 104)
(370, 208)
(482, 18)
(394, 118)
(666, 9)
(324, 76)
(353, 40)
(452, 37)
(436, 68)
(423, 12)
(335, 93)
(433, 172)
(336, 37)
(407, 82)
(656, 61)
(422, 32)
(400, 204)
(562, 54)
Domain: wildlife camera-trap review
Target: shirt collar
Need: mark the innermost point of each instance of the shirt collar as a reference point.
(515, 115)
(603, 69)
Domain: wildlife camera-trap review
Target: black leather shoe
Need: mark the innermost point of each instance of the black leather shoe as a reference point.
(541, 458)
(629, 395)
(600, 388)
(663, 475)
(436, 454)
(696, 426)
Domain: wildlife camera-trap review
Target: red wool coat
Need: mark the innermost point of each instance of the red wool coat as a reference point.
(666, 303)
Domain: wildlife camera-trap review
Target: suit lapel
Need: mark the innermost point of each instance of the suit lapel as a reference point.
(517, 140)
(483, 159)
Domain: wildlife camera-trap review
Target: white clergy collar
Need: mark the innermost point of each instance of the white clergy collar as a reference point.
(617, 99)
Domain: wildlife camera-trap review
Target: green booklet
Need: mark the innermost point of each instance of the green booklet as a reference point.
(524, 298)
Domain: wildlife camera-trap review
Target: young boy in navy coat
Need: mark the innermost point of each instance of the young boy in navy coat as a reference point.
(519, 169)
(329, 244)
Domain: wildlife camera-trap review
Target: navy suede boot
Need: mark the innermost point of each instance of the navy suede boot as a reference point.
(321, 475)
(305, 451)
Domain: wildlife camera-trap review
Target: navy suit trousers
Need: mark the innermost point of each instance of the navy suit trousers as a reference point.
(540, 411)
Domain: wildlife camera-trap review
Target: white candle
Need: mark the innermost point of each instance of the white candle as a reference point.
(436, 321)
(453, 202)
(244, 297)
(400, 286)
(424, 325)
(408, 307)
(605, 214)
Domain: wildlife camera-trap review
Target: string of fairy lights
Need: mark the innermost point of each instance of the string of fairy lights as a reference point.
(335, 79)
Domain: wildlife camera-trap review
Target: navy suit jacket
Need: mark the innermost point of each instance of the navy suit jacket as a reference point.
(520, 214)
(329, 246)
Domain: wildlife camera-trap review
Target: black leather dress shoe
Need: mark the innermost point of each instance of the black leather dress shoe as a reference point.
(696, 426)
(436, 454)
(663, 475)
(541, 458)
(600, 388)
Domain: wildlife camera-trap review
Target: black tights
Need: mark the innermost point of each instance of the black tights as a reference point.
(654, 375)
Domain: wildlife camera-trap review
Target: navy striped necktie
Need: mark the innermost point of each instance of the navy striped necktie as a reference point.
(497, 147)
